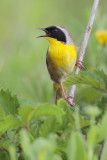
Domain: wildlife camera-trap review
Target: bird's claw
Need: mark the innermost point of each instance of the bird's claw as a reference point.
(68, 101)
(79, 64)
(69, 97)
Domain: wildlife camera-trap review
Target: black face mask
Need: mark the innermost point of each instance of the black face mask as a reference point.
(56, 33)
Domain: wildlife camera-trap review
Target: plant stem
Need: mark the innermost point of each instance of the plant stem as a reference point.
(100, 152)
(84, 43)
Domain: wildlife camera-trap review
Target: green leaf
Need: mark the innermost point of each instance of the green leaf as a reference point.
(103, 129)
(4, 155)
(10, 122)
(5, 143)
(99, 75)
(89, 78)
(56, 157)
(49, 126)
(2, 113)
(67, 119)
(24, 101)
(102, 105)
(40, 148)
(98, 133)
(8, 102)
(82, 79)
(25, 144)
(76, 148)
(49, 110)
(84, 122)
(89, 95)
(12, 152)
(67, 116)
(70, 117)
(26, 112)
(93, 136)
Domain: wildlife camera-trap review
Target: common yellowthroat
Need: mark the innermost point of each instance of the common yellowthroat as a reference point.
(60, 59)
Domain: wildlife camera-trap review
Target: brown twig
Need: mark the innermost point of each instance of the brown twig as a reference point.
(100, 152)
(85, 41)
(26, 127)
(3, 149)
(1, 137)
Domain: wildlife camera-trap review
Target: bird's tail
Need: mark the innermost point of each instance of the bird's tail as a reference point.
(58, 91)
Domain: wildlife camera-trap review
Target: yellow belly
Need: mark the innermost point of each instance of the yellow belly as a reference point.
(62, 55)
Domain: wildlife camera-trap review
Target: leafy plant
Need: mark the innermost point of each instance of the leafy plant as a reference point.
(51, 132)
(96, 79)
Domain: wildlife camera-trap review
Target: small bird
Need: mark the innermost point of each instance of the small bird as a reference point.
(60, 59)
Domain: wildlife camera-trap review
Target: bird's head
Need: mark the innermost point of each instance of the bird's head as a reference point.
(58, 33)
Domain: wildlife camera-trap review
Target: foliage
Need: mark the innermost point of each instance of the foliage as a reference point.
(51, 132)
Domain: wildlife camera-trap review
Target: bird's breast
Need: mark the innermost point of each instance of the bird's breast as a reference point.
(62, 55)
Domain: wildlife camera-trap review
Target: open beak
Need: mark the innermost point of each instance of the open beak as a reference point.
(47, 33)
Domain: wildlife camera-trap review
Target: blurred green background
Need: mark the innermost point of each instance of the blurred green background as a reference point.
(22, 56)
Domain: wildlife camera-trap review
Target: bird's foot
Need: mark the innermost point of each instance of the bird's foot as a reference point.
(67, 98)
(79, 64)
(68, 101)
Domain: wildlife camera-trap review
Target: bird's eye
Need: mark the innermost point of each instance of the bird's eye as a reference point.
(55, 30)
